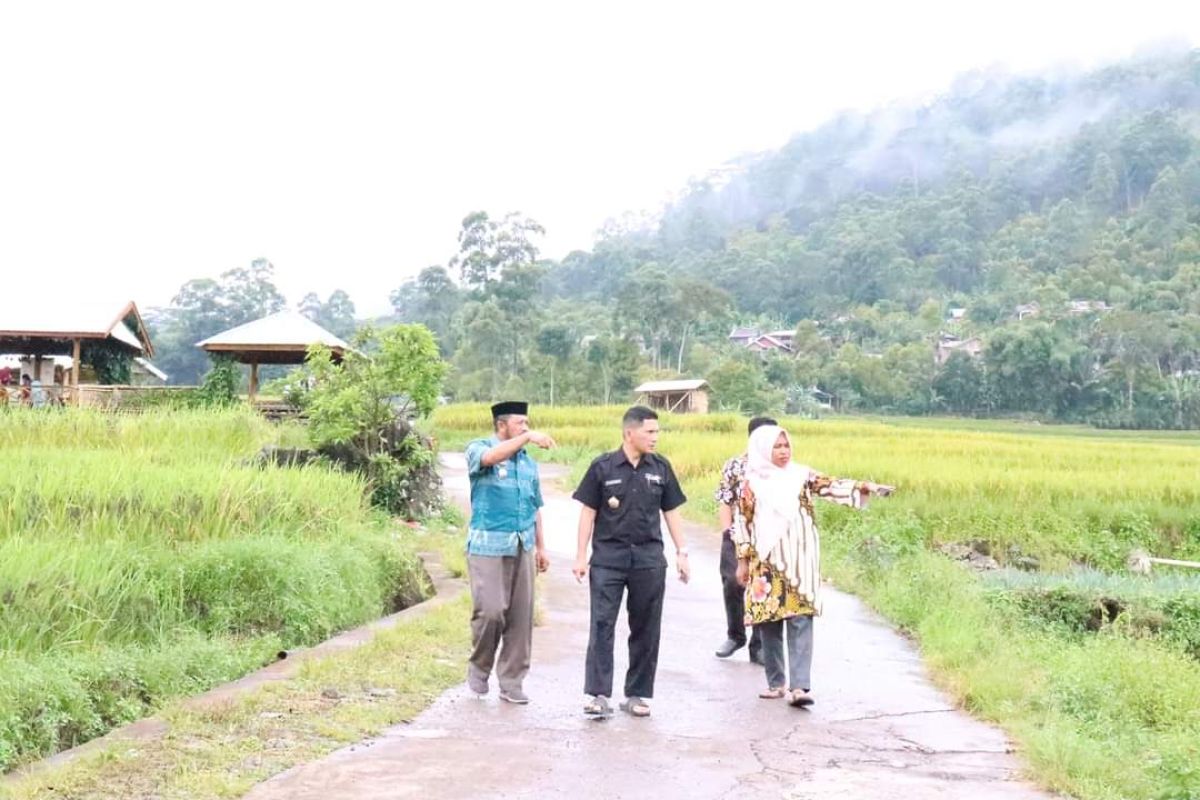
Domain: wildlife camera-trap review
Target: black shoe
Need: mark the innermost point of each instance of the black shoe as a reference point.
(730, 647)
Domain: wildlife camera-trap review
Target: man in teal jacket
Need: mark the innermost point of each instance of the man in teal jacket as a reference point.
(504, 547)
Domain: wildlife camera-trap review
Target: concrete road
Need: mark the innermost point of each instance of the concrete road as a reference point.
(879, 729)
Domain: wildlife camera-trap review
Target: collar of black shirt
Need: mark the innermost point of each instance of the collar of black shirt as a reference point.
(649, 459)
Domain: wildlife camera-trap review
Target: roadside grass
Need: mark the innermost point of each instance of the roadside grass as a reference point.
(446, 535)
(1102, 716)
(223, 750)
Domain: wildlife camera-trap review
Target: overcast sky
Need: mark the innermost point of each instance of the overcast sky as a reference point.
(143, 144)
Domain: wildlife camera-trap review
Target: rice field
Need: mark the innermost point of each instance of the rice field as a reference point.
(146, 557)
(1066, 497)
(1094, 673)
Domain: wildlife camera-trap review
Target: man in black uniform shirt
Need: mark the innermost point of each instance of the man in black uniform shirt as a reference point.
(623, 494)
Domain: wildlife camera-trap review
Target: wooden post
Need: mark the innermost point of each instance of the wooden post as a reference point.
(75, 399)
(253, 380)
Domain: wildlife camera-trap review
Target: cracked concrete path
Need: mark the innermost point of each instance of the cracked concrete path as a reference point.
(879, 728)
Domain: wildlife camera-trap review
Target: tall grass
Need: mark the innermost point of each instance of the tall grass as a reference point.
(146, 556)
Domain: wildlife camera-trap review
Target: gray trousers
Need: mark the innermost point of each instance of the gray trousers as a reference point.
(799, 652)
(502, 619)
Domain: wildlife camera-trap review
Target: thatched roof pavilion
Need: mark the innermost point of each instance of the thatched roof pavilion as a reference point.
(280, 338)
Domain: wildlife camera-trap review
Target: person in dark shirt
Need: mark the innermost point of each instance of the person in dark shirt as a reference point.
(727, 494)
(624, 495)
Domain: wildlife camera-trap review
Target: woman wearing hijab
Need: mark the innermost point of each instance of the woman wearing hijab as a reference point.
(779, 555)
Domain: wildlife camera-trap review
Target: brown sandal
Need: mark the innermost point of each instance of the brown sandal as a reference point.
(772, 694)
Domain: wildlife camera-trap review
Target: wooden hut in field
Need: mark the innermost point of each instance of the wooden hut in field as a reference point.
(39, 338)
(680, 397)
(280, 338)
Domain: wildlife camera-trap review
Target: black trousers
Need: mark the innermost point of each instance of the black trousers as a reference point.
(646, 588)
(735, 598)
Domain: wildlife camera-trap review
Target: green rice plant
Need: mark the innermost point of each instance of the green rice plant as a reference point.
(1063, 497)
(147, 556)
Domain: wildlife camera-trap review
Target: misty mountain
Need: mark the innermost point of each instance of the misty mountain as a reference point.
(1041, 133)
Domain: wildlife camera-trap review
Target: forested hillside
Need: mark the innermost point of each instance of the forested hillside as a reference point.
(1016, 246)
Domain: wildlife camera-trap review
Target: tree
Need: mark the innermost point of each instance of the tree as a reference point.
(1102, 187)
(433, 299)
(1163, 218)
(358, 410)
(516, 294)
(1148, 145)
(616, 361)
(250, 293)
(204, 307)
(555, 342)
(647, 307)
(486, 247)
(696, 304)
(310, 306)
(386, 375)
(485, 347)
(739, 384)
(960, 384)
(335, 315)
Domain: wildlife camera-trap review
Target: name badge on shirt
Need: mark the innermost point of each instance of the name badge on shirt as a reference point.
(652, 478)
(613, 482)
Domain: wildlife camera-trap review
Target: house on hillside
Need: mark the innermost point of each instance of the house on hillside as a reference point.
(823, 399)
(680, 396)
(744, 335)
(1026, 310)
(760, 342)
(769, 343)
(950, 345)
(785, 337)
(1077, 308)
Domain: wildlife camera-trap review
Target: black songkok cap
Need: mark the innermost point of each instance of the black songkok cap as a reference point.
(510, 407)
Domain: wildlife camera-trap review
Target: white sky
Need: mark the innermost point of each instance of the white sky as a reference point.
(144, 144)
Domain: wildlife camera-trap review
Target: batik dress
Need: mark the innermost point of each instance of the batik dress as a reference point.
(770, 594)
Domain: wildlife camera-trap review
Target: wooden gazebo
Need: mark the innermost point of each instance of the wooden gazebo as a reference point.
(42, 331)
(281, 338)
